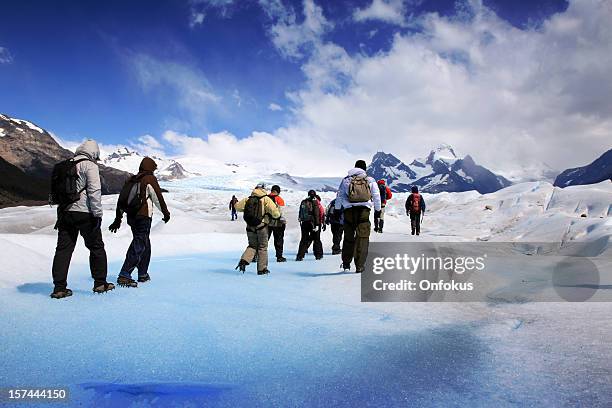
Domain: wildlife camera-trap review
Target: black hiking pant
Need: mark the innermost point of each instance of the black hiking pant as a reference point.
(70, 225)
(311, 234)
(336, 230)
(379, 220)
(139, 253)
(415, 222)
(279, 238)
(356, 236)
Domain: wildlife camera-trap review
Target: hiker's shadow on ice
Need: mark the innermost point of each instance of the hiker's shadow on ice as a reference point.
(41, 288)
(317, 275)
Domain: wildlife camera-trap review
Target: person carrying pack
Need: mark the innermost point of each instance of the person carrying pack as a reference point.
(232, 207)
(415, 206)
(77, 189)
(385, 194)
(312, 219)
(276, 226)
(357, 194)
(138, 196)
(333, 218)
(258, 209)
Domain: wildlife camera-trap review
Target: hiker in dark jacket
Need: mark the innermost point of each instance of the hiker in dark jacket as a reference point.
(232, 207)
(276, 226)
(139, 253)
(312, 217)
(83, 217)
(333, 218)
(415, 206)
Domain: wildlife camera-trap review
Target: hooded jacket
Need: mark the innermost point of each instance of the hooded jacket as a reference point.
(268, 207)
(342, 200)
(149, 189)
(89, 180)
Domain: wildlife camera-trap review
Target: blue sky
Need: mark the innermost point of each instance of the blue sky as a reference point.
(515, 84)
(72, 72)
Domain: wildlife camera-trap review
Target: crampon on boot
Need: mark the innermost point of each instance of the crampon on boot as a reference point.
(242, 265)
(144, 278)
(106, 287)
(60, 293)
(126, 282)
(264, 272)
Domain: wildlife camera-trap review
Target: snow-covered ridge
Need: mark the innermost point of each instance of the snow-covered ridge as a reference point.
(129, 160)
(21, 123)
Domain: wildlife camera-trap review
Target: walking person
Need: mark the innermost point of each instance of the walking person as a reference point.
(333, 218)
(258, 209)
(312, 218)
(232, 207)
(276, 226)
(415, 206)
(76, 186)
(138, 196)
(357, 194)
(385, 194)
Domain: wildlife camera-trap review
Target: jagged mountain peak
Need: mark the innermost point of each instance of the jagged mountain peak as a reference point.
(444, 152)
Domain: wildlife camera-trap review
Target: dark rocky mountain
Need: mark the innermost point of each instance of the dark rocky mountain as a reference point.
(33, 151)
(440, 171)
(596, 172)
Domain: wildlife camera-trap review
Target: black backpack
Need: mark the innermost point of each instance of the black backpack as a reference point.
(130, 200)
(383, 193)
(253, 215)
(64, 183)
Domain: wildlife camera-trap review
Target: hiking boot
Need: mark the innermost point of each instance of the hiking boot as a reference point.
(345, 267)
(336, 252)
(412, 232)
(318, 258)
(264, 272)
(297, 259)
(145, 278)
(359, 270)
(106, 287)
(60, 293)
(126, 282)
(242, 265)
(281, 259)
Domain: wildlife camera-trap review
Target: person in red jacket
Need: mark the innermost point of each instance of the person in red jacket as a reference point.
(385, 194)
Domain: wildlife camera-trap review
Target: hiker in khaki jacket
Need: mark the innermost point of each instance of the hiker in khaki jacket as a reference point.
(258, 208)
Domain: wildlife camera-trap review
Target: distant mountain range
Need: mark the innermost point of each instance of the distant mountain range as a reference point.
(129, 160)
(440, 171)
(596, 172)
(28, 154)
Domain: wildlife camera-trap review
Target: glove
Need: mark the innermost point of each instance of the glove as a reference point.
(97, 223)
(324, 227)
(377, 214)
(115, 225)
(166, 218)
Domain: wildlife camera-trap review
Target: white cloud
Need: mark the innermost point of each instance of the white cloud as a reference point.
(189, 85)
(274, 107)
(5, 56)
(505, 95)
(199, 9)
(389, 11)
(291, 38)
(509, 97)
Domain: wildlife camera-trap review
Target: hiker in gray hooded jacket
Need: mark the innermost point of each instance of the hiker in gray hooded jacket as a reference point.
(356, 215)
(83, 217)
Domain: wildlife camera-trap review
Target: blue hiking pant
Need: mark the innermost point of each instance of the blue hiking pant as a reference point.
(139, 253)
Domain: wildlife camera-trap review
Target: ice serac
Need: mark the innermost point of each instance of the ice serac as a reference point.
(441, 171)
(32, 151)
(597, 171)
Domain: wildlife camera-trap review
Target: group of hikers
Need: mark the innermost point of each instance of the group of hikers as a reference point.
(348, 215)
(76, 189)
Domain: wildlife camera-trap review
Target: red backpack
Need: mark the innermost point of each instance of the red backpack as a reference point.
(416, 202)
